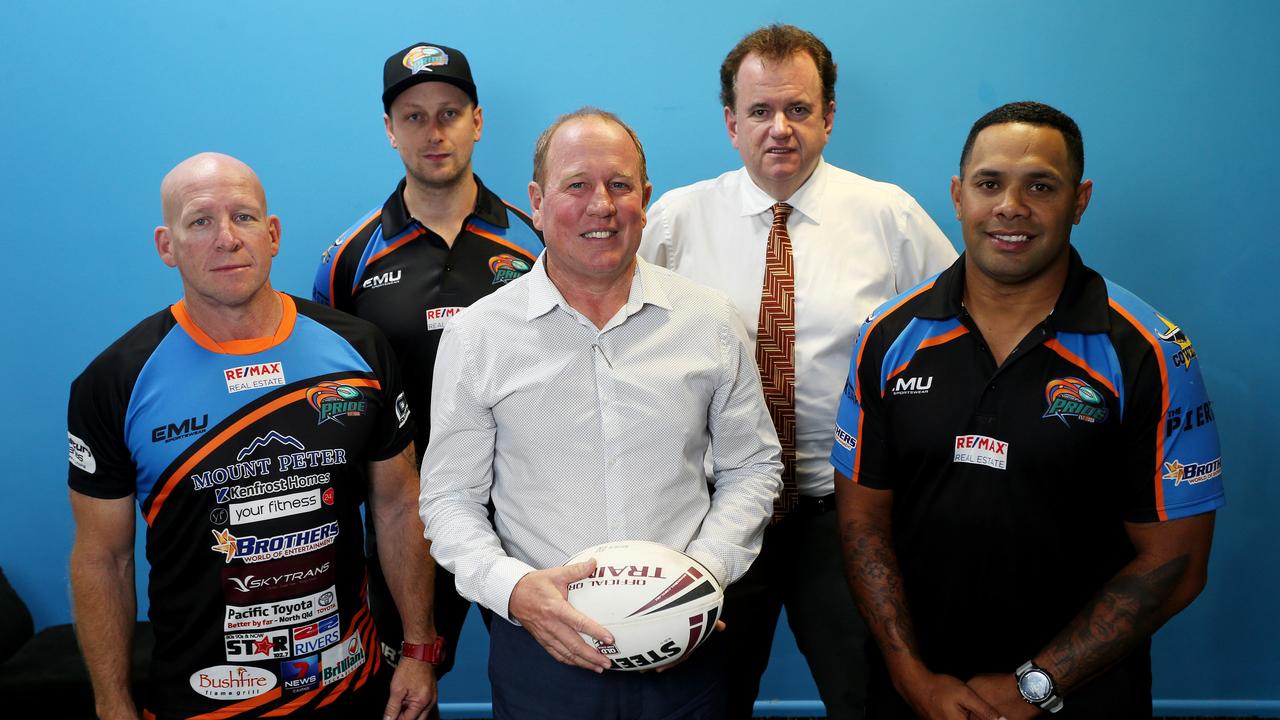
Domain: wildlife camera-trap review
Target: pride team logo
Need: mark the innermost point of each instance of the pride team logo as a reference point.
(506, 268)
(1072, 397)
(424, 57)
(334, 400)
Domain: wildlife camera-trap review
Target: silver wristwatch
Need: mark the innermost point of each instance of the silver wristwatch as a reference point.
(1037, 687)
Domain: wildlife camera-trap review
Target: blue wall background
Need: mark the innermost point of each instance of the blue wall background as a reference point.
(1177, 100)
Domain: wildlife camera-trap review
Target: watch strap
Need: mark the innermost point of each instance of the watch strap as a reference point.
(1053, 703)
(432, 652)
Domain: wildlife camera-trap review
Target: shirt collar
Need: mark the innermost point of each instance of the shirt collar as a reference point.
(396, 219)
(544, 296)
(1081, 306)
(807, 200)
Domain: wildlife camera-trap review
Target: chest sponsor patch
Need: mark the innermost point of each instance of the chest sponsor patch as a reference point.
(342, 660)
(981, 450)
(252, 377)
(437, 317)
(391, 277)
(280, 579)
(80, 454)
(300, 675)
(247, 647)
(276, 507)
(232, 682)
(254, 549)
(316, 636)
(308, 608)
(912, 385)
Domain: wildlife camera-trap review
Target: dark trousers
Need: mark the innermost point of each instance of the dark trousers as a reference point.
(450, 614)
(528, 684)
(799, 567)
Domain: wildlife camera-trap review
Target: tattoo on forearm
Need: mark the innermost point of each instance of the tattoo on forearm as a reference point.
(876, 582)
(1125, 612)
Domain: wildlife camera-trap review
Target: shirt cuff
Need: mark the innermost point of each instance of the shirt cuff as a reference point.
(713, 563)
(501, 581)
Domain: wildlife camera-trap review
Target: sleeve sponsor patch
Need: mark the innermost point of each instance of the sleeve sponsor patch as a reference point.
(847, 441)
(402, 410)
(80, 454)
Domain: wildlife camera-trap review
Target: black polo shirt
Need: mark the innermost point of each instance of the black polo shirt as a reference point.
(1012, 484)
(391, 270)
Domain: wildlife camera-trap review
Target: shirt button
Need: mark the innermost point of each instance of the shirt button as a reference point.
(448, 268)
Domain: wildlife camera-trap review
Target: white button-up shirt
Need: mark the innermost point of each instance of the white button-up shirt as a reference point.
(855, 243)
(583, 435)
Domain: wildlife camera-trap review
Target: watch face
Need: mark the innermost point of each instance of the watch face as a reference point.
(1035, 686)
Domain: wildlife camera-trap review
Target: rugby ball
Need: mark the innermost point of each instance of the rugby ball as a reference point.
(658, 603)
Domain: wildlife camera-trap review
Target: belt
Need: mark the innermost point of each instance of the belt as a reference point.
(810, 505)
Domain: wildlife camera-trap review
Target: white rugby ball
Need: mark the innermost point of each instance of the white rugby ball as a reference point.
(658, 603)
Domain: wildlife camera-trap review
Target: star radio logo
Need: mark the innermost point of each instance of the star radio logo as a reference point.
(1075, 398)
(333, 401)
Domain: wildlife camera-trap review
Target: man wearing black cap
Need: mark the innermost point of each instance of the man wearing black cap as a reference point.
(439, 243)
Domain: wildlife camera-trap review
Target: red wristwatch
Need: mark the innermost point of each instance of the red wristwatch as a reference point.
(432, 653)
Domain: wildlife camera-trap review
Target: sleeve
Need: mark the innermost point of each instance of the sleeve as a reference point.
(746, 461)
(656, 241)
(922, 249)
(101, 465)
(332, 284)
(395, 424)
(457, 475)
(1174, 460)
(861, 447)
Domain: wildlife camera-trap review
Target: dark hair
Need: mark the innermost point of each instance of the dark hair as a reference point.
(1031, 113)
(544, 140)
(778, 42)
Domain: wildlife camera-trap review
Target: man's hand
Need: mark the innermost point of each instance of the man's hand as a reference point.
(538, 602)
(1001, 690)
(942, 697)
(413, 691)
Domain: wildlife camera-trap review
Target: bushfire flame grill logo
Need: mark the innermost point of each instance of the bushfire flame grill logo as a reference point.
(334, 400)
(1073, 397)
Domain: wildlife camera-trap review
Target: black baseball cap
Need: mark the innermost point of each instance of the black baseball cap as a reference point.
(425, 62)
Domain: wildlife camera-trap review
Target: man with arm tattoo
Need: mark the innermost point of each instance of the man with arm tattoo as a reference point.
(1027, 464)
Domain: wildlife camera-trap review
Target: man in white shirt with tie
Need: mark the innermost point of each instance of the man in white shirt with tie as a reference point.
(806, 251)
(582, 399)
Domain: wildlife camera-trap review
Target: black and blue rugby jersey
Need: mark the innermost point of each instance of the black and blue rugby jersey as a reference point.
(1012, 484)
(391, 270)
(248, 460)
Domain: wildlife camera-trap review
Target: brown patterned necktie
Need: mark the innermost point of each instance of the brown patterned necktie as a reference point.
(775, 351)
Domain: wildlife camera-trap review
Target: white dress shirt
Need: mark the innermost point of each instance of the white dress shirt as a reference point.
(583, 436)
(855, 243)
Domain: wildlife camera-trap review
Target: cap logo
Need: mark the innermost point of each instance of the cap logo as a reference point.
(423, 58)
